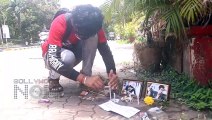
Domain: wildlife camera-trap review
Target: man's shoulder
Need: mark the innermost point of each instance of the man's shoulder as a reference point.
(60, 18)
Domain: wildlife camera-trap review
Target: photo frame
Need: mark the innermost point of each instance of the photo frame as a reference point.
(158, 90)
(132, 89)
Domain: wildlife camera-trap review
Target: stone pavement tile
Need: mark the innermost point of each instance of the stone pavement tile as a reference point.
(4, 116)
(17, 117)
(83, 115)
(33, 103)
(20, 111)
(58, 114)
(87, 108)
(72, 109)
(44, 105)
(59, 99)
(96, 118)
(158, 116)
(71, 90)
(68, 94)
(73, 101)
(58, 117)
(56, 105)
(34, 114)
(7, 114)
(11, 104)
(116, 117)
(66, 111)
(83, 118)
(87, 102)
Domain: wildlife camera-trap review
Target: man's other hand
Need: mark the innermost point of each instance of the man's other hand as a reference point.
(94, 82)
(113, 80)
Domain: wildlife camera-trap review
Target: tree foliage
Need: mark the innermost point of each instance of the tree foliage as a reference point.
(27, 17)
(171, 14)
(122, 17)
(129, 29)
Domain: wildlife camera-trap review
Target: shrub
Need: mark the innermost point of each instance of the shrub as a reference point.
(188, 90)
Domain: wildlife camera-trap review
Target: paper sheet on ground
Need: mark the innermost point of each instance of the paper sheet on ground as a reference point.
(125, 111)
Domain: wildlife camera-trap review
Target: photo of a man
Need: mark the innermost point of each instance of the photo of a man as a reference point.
(131, 88)
(157, 91)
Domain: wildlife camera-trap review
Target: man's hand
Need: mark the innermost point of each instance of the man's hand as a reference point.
(113, 80)
(94, 82)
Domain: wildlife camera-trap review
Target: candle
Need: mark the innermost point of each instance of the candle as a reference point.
(110, 92)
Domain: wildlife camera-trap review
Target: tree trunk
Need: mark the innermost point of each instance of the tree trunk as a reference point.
(149, 57)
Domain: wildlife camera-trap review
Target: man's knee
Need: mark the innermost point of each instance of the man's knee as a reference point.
(68, 57)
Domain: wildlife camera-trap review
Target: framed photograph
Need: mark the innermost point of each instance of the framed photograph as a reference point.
(131, 89)
(159, 91)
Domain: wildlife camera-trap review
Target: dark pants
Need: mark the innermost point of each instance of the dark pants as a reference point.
(84, 51)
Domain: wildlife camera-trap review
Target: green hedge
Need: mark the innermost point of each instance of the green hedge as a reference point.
(188, 90)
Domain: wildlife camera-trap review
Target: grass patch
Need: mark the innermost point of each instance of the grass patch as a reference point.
(188, 91)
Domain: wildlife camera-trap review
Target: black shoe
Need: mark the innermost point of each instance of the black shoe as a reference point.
(54, 85)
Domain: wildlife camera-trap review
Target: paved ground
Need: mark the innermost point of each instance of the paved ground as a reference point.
(24, 69)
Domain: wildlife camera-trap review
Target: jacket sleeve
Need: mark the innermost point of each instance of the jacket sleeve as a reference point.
(107, 56)
(54, 60)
